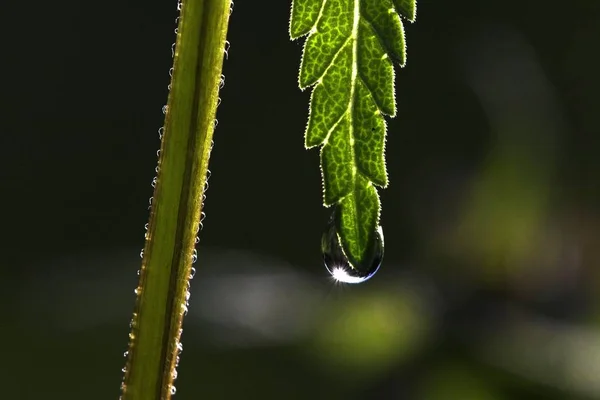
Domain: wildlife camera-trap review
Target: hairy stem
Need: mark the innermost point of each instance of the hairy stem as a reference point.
(174, 220)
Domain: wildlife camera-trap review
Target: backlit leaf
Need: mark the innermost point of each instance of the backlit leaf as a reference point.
(348, 57)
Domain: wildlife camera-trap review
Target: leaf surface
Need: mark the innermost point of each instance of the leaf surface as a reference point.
(348, 58)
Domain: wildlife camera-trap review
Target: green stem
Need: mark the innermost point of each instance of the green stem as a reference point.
(177, 201)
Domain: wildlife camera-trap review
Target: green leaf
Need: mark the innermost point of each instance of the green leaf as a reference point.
(348, 57)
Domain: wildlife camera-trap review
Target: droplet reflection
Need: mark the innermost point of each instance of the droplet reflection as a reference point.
(338, 265)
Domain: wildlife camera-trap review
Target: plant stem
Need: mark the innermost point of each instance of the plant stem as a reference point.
(162, 292)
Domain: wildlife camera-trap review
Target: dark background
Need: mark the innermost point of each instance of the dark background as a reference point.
(489, 287)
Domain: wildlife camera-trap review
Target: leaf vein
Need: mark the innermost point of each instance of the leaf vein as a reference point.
(371, 91)
(379, 36)
(320, 14)
(337, 52)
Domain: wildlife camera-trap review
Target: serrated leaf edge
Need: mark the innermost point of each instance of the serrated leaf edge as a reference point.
(402, 15)
(355, 75)
(292, 37)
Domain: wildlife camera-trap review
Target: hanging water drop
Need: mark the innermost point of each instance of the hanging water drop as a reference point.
(337, 263)
(227, 45)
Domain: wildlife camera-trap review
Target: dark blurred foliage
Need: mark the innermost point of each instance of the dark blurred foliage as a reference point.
(489, 287)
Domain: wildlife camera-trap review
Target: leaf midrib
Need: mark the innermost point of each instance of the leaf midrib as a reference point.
(355, 76)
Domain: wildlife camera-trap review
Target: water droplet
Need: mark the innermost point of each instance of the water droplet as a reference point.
(192, 273)
(126, 354)
(338, 265)
(173, 390)
(227, 45)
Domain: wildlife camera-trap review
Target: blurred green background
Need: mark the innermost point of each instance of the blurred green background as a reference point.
(489, 288)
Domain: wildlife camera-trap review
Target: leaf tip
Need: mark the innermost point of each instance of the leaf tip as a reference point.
(407, 9)
(310, 143)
